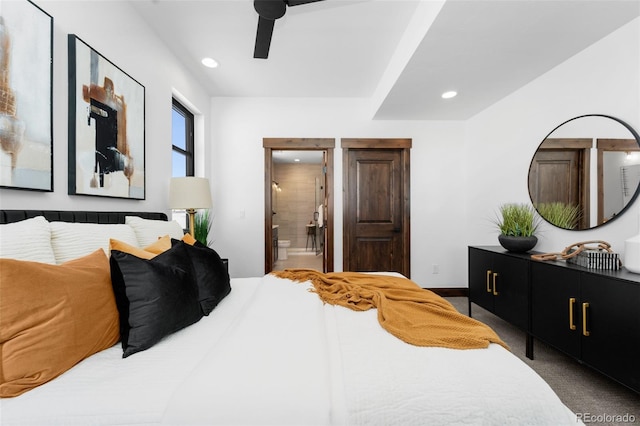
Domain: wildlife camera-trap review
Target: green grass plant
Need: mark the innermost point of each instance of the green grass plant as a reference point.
(202, 226)
(517, 220)
(562, 215)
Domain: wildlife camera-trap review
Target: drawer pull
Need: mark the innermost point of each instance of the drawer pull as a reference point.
(572, 302)
(585, 332)
(495, 292)
(488, 278)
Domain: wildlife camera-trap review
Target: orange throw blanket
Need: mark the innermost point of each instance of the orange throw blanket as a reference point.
(414, 315)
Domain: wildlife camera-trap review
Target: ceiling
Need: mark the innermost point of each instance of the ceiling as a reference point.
(400, 54)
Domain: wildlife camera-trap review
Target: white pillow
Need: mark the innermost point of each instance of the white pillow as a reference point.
(74, 240)
(28, 239)
(148, 231)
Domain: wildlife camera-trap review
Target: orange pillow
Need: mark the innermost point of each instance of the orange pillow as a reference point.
(189, 239)
(161, 245)
(53, 316)
(152, 250)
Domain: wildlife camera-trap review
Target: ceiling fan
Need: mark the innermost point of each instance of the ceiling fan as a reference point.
(268, 12)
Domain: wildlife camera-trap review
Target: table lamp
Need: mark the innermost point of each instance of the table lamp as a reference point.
(189, 193)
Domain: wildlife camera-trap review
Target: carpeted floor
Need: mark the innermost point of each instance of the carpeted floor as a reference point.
(598, 399)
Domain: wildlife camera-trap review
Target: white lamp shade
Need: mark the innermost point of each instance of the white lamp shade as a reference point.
(189, 192)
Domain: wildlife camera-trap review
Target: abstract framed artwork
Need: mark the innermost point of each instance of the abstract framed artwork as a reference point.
(106, 127)
(26, 95)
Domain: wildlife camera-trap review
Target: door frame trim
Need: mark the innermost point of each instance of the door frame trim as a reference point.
(297, 144)
(403, 144)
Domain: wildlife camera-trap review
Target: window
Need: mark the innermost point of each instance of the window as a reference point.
(182, 140)
(182, 150)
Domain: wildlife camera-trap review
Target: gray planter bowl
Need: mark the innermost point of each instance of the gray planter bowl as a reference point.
(517, 244)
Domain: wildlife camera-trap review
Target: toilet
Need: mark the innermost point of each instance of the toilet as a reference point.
(282, 249)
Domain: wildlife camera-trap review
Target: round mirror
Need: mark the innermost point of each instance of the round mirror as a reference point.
(585, 172)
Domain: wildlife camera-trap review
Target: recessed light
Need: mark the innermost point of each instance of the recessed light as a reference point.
(209, 62)
(449, 95)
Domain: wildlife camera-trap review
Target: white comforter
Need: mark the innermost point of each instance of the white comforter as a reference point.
(272, 353)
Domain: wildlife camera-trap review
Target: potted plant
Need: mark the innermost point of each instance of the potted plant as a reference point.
(518, 224)
(202, 226)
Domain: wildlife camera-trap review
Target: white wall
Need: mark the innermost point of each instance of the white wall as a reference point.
(238, 189)
(603, 79)
(114, 29)
(460, 172)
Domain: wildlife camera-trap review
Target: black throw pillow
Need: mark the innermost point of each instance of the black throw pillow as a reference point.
(155, 297)
(211, 275)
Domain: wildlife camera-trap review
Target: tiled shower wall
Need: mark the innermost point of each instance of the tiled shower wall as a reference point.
(295, 202)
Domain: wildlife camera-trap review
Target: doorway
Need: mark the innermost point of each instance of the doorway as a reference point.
(562, 160)
(376, 205)
(315, 178)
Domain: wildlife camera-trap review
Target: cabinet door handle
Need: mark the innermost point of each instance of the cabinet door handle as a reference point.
(585, 332)
(488, 278)
(572, 302)
(495, 292)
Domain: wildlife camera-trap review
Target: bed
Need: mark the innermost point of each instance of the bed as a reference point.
(272, 353)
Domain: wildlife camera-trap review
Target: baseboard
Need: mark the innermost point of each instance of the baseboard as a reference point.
(451, 292)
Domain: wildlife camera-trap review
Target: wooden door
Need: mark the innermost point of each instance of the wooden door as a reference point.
(560, 173)
(376, 210)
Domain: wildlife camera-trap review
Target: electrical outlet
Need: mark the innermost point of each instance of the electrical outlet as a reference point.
(436, 268)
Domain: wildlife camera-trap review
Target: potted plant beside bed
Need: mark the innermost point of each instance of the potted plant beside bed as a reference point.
(518, 224)
(202, 226)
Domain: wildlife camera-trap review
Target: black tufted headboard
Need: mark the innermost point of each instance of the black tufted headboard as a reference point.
(9, 216)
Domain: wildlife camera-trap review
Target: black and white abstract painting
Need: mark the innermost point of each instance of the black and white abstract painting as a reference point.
(106, 126)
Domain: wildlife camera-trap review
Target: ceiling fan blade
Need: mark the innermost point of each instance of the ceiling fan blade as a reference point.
(268, 12)
(299, 2)
(263, 38)
(270, 9)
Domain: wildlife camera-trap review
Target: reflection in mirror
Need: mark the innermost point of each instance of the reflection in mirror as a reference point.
(585, 172)
(619, 178)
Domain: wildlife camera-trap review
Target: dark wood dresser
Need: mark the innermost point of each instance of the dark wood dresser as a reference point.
(591, 315)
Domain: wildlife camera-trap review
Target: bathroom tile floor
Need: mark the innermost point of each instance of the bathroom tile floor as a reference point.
(300, 260)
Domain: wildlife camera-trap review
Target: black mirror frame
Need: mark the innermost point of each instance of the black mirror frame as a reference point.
(633, 197)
